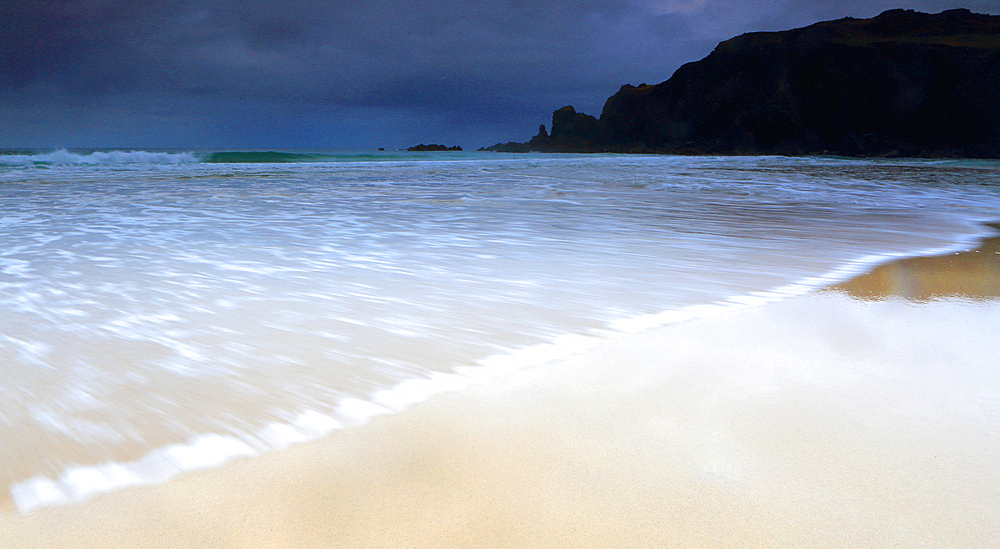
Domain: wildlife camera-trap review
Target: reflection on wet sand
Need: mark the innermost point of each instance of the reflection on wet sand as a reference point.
(973, 274)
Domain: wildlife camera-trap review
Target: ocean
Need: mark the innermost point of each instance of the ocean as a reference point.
(165, 312)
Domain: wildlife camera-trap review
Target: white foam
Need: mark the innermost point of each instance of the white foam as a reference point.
(79, 483)
(804, 286)
(316, 423)
(84, 482)
(413, 391)
(37, 492)
(64, 157)
(309, 425)
(207, 451)
(360, 410)
(560, 347)
(212, 450)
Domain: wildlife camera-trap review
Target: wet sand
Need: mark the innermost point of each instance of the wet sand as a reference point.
(821, 421)
(971, 274)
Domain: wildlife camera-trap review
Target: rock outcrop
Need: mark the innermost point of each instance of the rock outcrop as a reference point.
(901, 84)
(433, 147)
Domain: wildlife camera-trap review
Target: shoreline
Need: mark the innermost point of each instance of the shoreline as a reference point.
(972, 274)
(561, 455)
(76, 484)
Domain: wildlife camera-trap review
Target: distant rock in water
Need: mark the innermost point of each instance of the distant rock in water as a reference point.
(538, 143)
(901, 84)
(423, 148)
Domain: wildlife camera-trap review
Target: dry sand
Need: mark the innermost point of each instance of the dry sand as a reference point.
(816, 422)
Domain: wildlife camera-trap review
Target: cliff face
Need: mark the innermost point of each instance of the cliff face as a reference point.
(902, 83)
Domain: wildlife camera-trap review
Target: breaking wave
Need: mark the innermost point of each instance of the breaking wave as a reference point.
(285, 157)
(63, 157)
(261, 157)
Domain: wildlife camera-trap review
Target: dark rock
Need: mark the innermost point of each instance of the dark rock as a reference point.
(510, 146)
(424, 148)
(903, 84)
(538, 143)
(575, 131)
(571, 132)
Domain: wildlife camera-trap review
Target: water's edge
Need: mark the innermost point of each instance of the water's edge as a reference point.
(208, 450)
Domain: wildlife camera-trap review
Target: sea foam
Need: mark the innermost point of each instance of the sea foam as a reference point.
(63, 157)
(79, 483)
(261, 306)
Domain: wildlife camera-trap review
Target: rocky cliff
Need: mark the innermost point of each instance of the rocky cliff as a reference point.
(903, 83)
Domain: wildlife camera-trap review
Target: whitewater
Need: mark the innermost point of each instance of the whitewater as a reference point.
(168, 311)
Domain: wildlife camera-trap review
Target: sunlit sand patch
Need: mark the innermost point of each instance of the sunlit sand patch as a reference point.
(973, 274)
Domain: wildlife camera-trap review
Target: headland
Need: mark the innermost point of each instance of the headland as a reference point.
(903, 83)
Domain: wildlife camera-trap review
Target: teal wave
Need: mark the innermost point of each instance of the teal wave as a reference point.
(261, 157)
(256, 157)
(24, 158)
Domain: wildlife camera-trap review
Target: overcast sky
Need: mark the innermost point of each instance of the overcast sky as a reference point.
(332, 74)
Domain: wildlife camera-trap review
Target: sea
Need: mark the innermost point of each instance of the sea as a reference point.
(169, 311)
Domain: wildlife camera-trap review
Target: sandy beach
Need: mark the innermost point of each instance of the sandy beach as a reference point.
(685, 274)
(856, 429)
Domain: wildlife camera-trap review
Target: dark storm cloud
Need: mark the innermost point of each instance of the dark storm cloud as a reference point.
(271, 69)
(316, 48)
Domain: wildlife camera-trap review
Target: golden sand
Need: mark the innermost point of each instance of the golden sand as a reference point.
(772, 434)
(972, 274)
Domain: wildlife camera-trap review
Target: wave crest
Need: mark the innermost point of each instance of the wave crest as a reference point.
(262, 157)
(63, 157)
